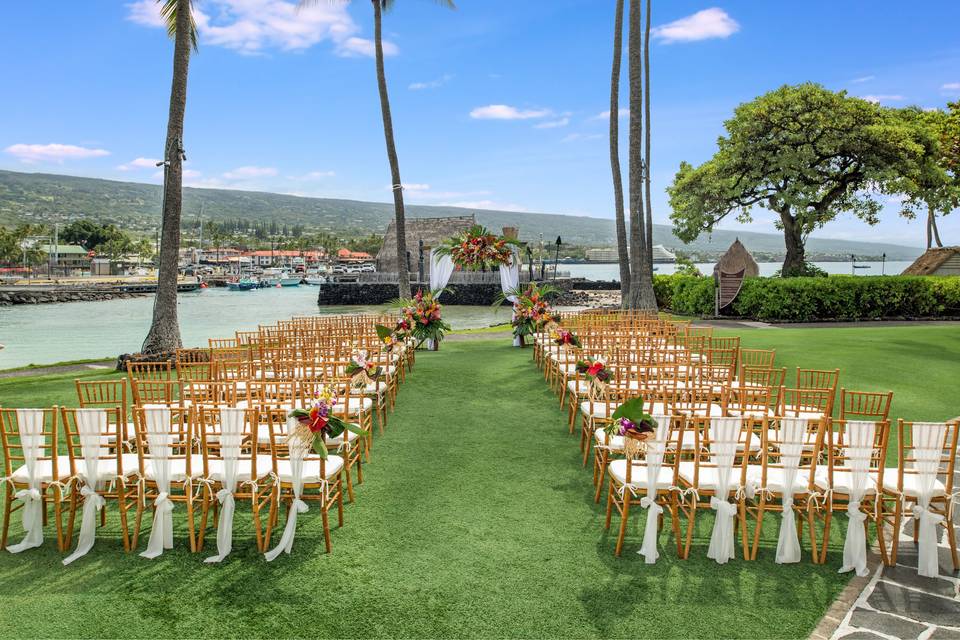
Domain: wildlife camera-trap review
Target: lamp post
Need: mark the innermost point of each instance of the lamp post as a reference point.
(420, 243)
(529, 261)
(883, 264)
(556, 259)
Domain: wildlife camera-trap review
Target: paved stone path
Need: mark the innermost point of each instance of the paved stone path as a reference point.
(898, 603)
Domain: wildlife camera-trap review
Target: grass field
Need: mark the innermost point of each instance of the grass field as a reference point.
(475, 520)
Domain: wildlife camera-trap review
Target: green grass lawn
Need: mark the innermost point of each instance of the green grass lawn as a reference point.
(475, 520)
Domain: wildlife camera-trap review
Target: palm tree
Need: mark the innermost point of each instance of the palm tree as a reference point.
(641, 268)
(164, 334)
(622, 254)
(379, 6)
(646, 141)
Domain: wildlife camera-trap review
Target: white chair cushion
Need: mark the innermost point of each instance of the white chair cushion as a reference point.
(709, 477)
(598, 409)
(612, 442)
(178, 468)
(355, 405)
(842, 481)
(579, 387)
(638, 474)
(244, 468)
(351, 437)
(44, 471)
(911, 484)
(376, 387)
(776, 477)
(311, 469)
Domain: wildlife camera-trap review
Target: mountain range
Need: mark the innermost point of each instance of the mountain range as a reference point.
(39, 197)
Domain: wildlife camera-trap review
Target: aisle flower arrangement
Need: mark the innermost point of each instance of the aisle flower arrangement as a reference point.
(477, 249)
(598, 377)
(422, 313)
(317, 423)
(566, 338)
(363, 372)
(632, 422)
(531, 311)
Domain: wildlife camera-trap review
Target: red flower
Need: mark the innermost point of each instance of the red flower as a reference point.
(595, 368)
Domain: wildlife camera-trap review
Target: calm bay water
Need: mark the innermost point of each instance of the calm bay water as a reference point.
(46, 333)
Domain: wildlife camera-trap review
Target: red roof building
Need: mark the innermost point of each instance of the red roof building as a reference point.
(345, 255)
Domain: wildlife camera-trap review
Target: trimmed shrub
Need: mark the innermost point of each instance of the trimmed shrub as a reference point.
(814, 299)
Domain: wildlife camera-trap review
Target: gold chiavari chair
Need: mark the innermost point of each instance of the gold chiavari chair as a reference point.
(91, 434)
(865, 405)
(147, 392)
(36, 473)
(156, 371)
(107, 394)
(818, 379)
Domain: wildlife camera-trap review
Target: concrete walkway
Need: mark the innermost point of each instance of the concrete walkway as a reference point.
(54, 369)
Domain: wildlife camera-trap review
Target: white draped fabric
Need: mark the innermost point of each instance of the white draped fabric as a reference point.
(91, 424)
(656, 447)
(792, 433)
(723, 448)
(927, 449)
(30, 428)
(231, 436)
(441, 268)
(859, 440)
(510, 280)
(159, 441)
(298, 451)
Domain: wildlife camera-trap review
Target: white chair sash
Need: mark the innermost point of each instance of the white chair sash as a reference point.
(30, 428)
(159, 440)
(723, 448)
(792, 434)
(509, 281)
(927, 450)
(656, 447)
(859, 438)
(297, 450)
(231, 436)
(91, 424)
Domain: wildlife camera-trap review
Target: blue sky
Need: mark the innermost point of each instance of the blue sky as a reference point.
(496, 105)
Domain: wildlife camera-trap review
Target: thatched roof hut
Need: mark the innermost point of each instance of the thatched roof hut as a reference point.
(432, 231)
(943, 261)
(737, 258)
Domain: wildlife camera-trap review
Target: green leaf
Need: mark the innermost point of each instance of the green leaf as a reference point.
(319, 446)
(354, 428)
(383, 332)
(632, 410)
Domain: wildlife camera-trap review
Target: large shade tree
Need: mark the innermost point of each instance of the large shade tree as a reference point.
(379, 6)
(803, 152)
(934, 185)
(164, 334)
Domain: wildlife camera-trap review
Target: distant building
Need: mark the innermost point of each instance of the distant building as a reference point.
(607, 254)
(282, 258)
(351, 257)
(67, 256)
(944, 261)
(432, 231)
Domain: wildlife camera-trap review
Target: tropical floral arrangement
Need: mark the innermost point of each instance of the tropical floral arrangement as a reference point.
(531, 311)
(477, 249)
(593, 368)
(566, 338)
(388, 337)
(317, 423)
(631, 421)
(362, 371)
(422, 315)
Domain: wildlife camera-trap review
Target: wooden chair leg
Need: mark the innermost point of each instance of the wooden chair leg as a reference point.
(7, 504)
(624, 518)
(758, 526)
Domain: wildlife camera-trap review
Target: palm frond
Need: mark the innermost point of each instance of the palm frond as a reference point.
(168, 11)
(386, 5)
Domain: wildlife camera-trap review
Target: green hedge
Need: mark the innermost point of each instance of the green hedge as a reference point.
(812, 299)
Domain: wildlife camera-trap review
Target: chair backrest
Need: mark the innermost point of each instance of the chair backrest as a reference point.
(169, 427)
(158, 371)
(753, 401)
(818, 378)
(281, 428)
(272, 393)
(718, 445)
(791, 443)
(694, 401)
(198, 371)
(927, 450)
(757, 358)
(156, 392)
(106, 394)
(213, 394)
(94, 433)
(865, 405)
(218, 439)
(806, 402)
(661, 450)
(856, 444)
(30, 437)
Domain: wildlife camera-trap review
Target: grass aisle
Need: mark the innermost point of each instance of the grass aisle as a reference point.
(475, 520)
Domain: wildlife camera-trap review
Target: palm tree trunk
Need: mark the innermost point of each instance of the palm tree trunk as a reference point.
(164, 334)
(402, 272)
(641, 280)
(648, 214)
(622, 253)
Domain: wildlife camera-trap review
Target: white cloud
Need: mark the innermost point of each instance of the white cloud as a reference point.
(139, 163)
(877, 99)
(951, 86)
(553, 124)
(252, 26)
(605, 115)
(506, 112)
(352, 47)
(862, 79)
(447, 195)
(574, 137)
(413, 186)
(431, 84)
(31, 153)
(702, 25)
(245, 173)
(313, 175)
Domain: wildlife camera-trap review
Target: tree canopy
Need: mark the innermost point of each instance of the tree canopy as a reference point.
(803, 152)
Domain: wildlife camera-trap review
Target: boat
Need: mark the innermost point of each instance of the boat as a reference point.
(243, 284)
(272, 277)
(314, 279)
(288, 280)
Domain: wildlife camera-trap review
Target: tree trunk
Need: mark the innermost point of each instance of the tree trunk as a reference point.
(622, 253)
(932, 227)
(641, 280)
(164, 334)
(403, 274)
(648, 296)
(793, 239)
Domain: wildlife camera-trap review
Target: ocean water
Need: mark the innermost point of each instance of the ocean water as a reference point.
(612, 271)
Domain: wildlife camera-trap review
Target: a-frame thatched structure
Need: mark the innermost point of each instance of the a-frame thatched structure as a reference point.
(737, 259)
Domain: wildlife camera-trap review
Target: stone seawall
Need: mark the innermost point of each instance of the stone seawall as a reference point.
(46, 296)
(357, 293)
